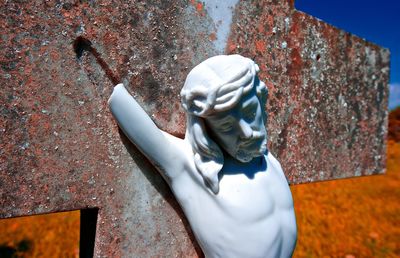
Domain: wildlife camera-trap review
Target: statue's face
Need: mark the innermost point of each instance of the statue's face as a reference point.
(240, 131)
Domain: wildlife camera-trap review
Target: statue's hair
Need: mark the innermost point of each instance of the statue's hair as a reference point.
(215, 85)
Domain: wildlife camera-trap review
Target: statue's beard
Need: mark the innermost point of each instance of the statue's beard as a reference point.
(251, 148)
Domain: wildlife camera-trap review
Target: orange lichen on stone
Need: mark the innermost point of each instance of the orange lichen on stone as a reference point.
(55, 56)
(199, 7)
(231, 46)
(260, 45)
(260, 27)
(212, 36)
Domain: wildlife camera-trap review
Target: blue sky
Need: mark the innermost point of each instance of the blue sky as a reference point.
(376, 21)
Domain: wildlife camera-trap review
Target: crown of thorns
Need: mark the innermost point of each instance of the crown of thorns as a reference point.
(215, 95)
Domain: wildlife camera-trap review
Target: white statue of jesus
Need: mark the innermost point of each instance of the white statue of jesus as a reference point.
(231, 189)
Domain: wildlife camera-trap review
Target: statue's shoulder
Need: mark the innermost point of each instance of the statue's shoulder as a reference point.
(181, 145)
(187, 180)
(270, 157)
(275, 164)
(182, 150)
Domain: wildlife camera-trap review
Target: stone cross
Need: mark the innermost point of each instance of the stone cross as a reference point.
(58, 147)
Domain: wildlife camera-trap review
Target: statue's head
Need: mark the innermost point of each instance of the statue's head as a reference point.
(224, 101)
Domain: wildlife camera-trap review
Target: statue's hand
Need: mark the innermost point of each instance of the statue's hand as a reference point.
(117, 87)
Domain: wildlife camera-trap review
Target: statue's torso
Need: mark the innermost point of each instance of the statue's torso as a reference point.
(251, 216)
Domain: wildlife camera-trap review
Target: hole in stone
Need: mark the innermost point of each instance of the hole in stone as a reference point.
(60, 234)
(81, 44)
(318, 57)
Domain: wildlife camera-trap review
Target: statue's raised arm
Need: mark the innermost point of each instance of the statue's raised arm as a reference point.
(142, 131)
(231, 188)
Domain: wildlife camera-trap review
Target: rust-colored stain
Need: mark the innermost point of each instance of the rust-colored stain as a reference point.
(260, 45)
(213, 36)
(231, 47)
(199, 7)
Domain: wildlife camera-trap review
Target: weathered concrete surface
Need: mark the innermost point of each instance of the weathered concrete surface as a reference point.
(61, 150)
(328, 92)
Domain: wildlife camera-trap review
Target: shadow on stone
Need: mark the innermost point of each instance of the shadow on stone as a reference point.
(87, 232)
(160, 185)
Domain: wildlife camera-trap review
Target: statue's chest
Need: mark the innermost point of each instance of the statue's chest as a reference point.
(255, 198)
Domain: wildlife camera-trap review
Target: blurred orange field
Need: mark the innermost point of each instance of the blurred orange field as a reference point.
(51, 235)
(357, 217)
